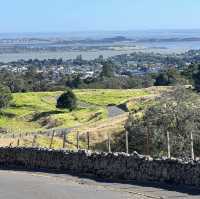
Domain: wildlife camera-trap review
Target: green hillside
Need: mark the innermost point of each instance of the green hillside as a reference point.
(36, 111)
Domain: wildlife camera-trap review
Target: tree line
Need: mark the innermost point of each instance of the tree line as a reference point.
(107, 79)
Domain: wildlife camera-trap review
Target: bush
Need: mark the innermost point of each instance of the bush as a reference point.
(67, 101)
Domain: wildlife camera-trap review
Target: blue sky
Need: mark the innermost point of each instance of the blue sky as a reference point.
(87, 15)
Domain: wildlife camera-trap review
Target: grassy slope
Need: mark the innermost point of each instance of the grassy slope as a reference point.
(29, 108)
(19, 117)
(136, 100)
(105, 97)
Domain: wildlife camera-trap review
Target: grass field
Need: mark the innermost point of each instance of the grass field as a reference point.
(32, 112)
(29, 109)
(105, 97)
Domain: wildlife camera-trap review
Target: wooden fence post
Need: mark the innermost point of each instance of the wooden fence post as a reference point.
(77, 140)
(109, 145)
(192, 145)
(168, 145)
(51, 143)
(127, 144)
(147, 142)
(88, 140)
(64, 139)
(18, 142)
(34, 140)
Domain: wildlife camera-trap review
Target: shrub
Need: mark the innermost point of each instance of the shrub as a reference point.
(67, 101)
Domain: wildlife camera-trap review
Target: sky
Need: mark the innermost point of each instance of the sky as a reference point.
(97, 15)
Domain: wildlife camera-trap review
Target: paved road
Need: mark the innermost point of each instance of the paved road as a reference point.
(114, 111)
(23, 185)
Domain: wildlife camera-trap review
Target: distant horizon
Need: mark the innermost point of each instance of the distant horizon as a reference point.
(36, 16)
(100, 34)
(101, 30)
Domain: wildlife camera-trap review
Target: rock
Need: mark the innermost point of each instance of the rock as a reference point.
(104, 165)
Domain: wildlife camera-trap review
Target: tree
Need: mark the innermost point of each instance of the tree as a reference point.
(107, 70)
(176, 113)
(67, 100)
(190, 71)
(100, 58)
(5, 96)
(162, 80)
(170, 77)
(74, 81)
(196, 79)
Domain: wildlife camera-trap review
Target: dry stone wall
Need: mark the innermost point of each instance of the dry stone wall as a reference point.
(119, 166)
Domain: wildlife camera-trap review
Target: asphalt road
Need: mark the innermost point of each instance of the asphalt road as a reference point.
(114, 111)
(23, 185)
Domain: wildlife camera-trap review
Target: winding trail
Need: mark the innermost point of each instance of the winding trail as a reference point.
(113, 111)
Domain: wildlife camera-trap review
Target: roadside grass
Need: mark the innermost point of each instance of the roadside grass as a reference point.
(98, 132)
(27, 141)
(44, 141)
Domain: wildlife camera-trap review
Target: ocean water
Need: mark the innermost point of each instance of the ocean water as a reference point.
(160, 47)
(134, 34)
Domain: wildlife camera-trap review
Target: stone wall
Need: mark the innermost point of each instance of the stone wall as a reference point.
(109, 166)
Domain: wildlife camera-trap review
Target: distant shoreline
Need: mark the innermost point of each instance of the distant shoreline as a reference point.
(88, 55)
(91, 44)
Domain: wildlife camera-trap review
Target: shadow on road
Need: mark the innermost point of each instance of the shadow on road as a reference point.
(193, 191)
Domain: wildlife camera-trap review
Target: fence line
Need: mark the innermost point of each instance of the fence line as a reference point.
(193, 142)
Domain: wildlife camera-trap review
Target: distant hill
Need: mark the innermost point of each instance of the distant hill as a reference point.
(189, 39)
(95, 41)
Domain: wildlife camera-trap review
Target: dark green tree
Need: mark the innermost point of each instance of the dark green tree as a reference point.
(67, 100)
(5, 96)
(162, 80)
(196, 79)
(190, 71)
(170, 77)
(107, 70)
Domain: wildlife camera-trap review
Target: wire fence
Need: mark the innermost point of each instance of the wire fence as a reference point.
(83, 140)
